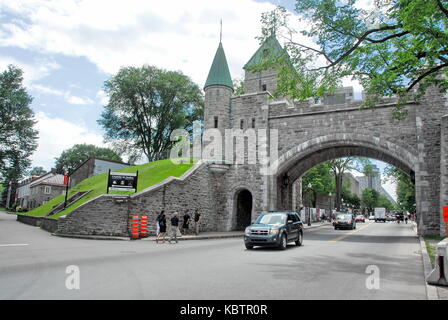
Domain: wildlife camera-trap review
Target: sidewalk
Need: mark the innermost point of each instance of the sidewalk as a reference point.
(441, 290)
(432, 292)
(224, 235)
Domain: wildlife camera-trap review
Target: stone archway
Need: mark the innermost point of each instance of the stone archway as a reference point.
(243, 209)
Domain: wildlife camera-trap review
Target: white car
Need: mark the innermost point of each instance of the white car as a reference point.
(372, 218)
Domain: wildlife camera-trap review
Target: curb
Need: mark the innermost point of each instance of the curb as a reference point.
(90, 237)
(431, 291)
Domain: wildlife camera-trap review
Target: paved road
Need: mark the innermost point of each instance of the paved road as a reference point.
(330, 265)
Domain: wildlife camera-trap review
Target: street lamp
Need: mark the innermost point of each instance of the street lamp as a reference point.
(331, 211)
(309, 208)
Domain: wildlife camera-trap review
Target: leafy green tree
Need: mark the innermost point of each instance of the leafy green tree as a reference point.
(318, 180)
(384, 202)
(145, 105)
(37, 171)
(405, 188)
(392, 48)
(369, 199)
(76, 155)
(18, 138)
(350, 198)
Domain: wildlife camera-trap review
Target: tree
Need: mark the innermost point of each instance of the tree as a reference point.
(71, 158)
(145, 105)
(392, 48)
(18, 138)
(318, 180)
(405, 188)
(37, 171)
(339, 167)
(369, 199)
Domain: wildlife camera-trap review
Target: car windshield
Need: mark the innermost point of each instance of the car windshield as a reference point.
(272, 219)
(343, 217)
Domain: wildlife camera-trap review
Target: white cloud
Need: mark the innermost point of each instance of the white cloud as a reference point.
(70, 98)
(33, 71)
(176, 35)
(102, 97)
(56, 135)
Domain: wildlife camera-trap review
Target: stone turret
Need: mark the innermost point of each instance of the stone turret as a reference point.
(267, 79)
(218, 91)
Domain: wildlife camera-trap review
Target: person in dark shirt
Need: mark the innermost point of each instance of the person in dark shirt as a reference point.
(186, 221)
(197, 220)
(161, 220)
(174, 226)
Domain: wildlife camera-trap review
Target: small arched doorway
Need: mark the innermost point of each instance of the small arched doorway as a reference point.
(243, 209)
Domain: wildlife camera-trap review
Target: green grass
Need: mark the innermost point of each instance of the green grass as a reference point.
(149, 174)
(430, 241)
(431, 252)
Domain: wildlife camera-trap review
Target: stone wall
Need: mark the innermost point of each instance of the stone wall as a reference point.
(83, 172)
(111, 214)
(443, 171)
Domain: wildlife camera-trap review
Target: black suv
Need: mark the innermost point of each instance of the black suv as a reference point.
(274, 229)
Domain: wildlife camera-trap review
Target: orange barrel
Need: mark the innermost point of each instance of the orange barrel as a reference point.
(144, 227)
(134, 228)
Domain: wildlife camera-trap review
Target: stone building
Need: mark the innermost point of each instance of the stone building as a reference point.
(92, 167)
(36, 191)
(230, 195)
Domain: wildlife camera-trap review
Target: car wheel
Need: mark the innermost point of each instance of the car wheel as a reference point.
(283, 242)
(249, 246)
(335, 228)
(300, 240)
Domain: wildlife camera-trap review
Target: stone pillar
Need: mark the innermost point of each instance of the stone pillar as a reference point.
(443, 171)
(297, 195)
(428, 172)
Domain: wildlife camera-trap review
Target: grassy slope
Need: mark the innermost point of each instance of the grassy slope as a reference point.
(148, 174)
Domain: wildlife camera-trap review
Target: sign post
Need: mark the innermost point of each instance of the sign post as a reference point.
(119, 181)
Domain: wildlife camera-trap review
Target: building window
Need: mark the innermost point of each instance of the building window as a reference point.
(263, 87)
(253, 123)
(216, 122)
(47, 190)
(242, 124)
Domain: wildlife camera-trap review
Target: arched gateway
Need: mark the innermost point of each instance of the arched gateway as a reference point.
(230, 195)
(310, 133)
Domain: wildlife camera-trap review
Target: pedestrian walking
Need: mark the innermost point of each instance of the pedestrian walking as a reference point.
(161, 222)
(197, 221)
(186, 221)
(174, 226)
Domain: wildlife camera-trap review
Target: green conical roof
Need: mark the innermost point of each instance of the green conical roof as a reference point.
(270, 47)
(219, 73)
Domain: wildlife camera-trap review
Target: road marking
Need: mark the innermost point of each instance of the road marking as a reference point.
(14, 245)
(351, 232)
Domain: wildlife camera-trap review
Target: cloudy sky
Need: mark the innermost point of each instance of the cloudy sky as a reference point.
(68, 48)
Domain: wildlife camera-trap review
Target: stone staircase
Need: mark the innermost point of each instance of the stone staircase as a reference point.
(58, 208)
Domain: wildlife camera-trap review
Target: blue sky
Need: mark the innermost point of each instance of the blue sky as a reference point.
(68, 48)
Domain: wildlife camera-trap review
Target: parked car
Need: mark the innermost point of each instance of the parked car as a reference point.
(371, 217)
(345, 221)
(274, 229)
(360, 218)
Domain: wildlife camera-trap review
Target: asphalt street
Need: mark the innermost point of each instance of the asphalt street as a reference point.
(332, 264)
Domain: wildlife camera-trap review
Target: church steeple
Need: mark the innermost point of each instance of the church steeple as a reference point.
(219, 73)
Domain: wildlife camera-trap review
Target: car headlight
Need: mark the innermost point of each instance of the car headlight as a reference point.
(274, 231)
(247, 231)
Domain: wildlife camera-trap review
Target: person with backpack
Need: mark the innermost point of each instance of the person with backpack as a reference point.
(174, 226)
(161, 221)
(197, 220)
(186, 221)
